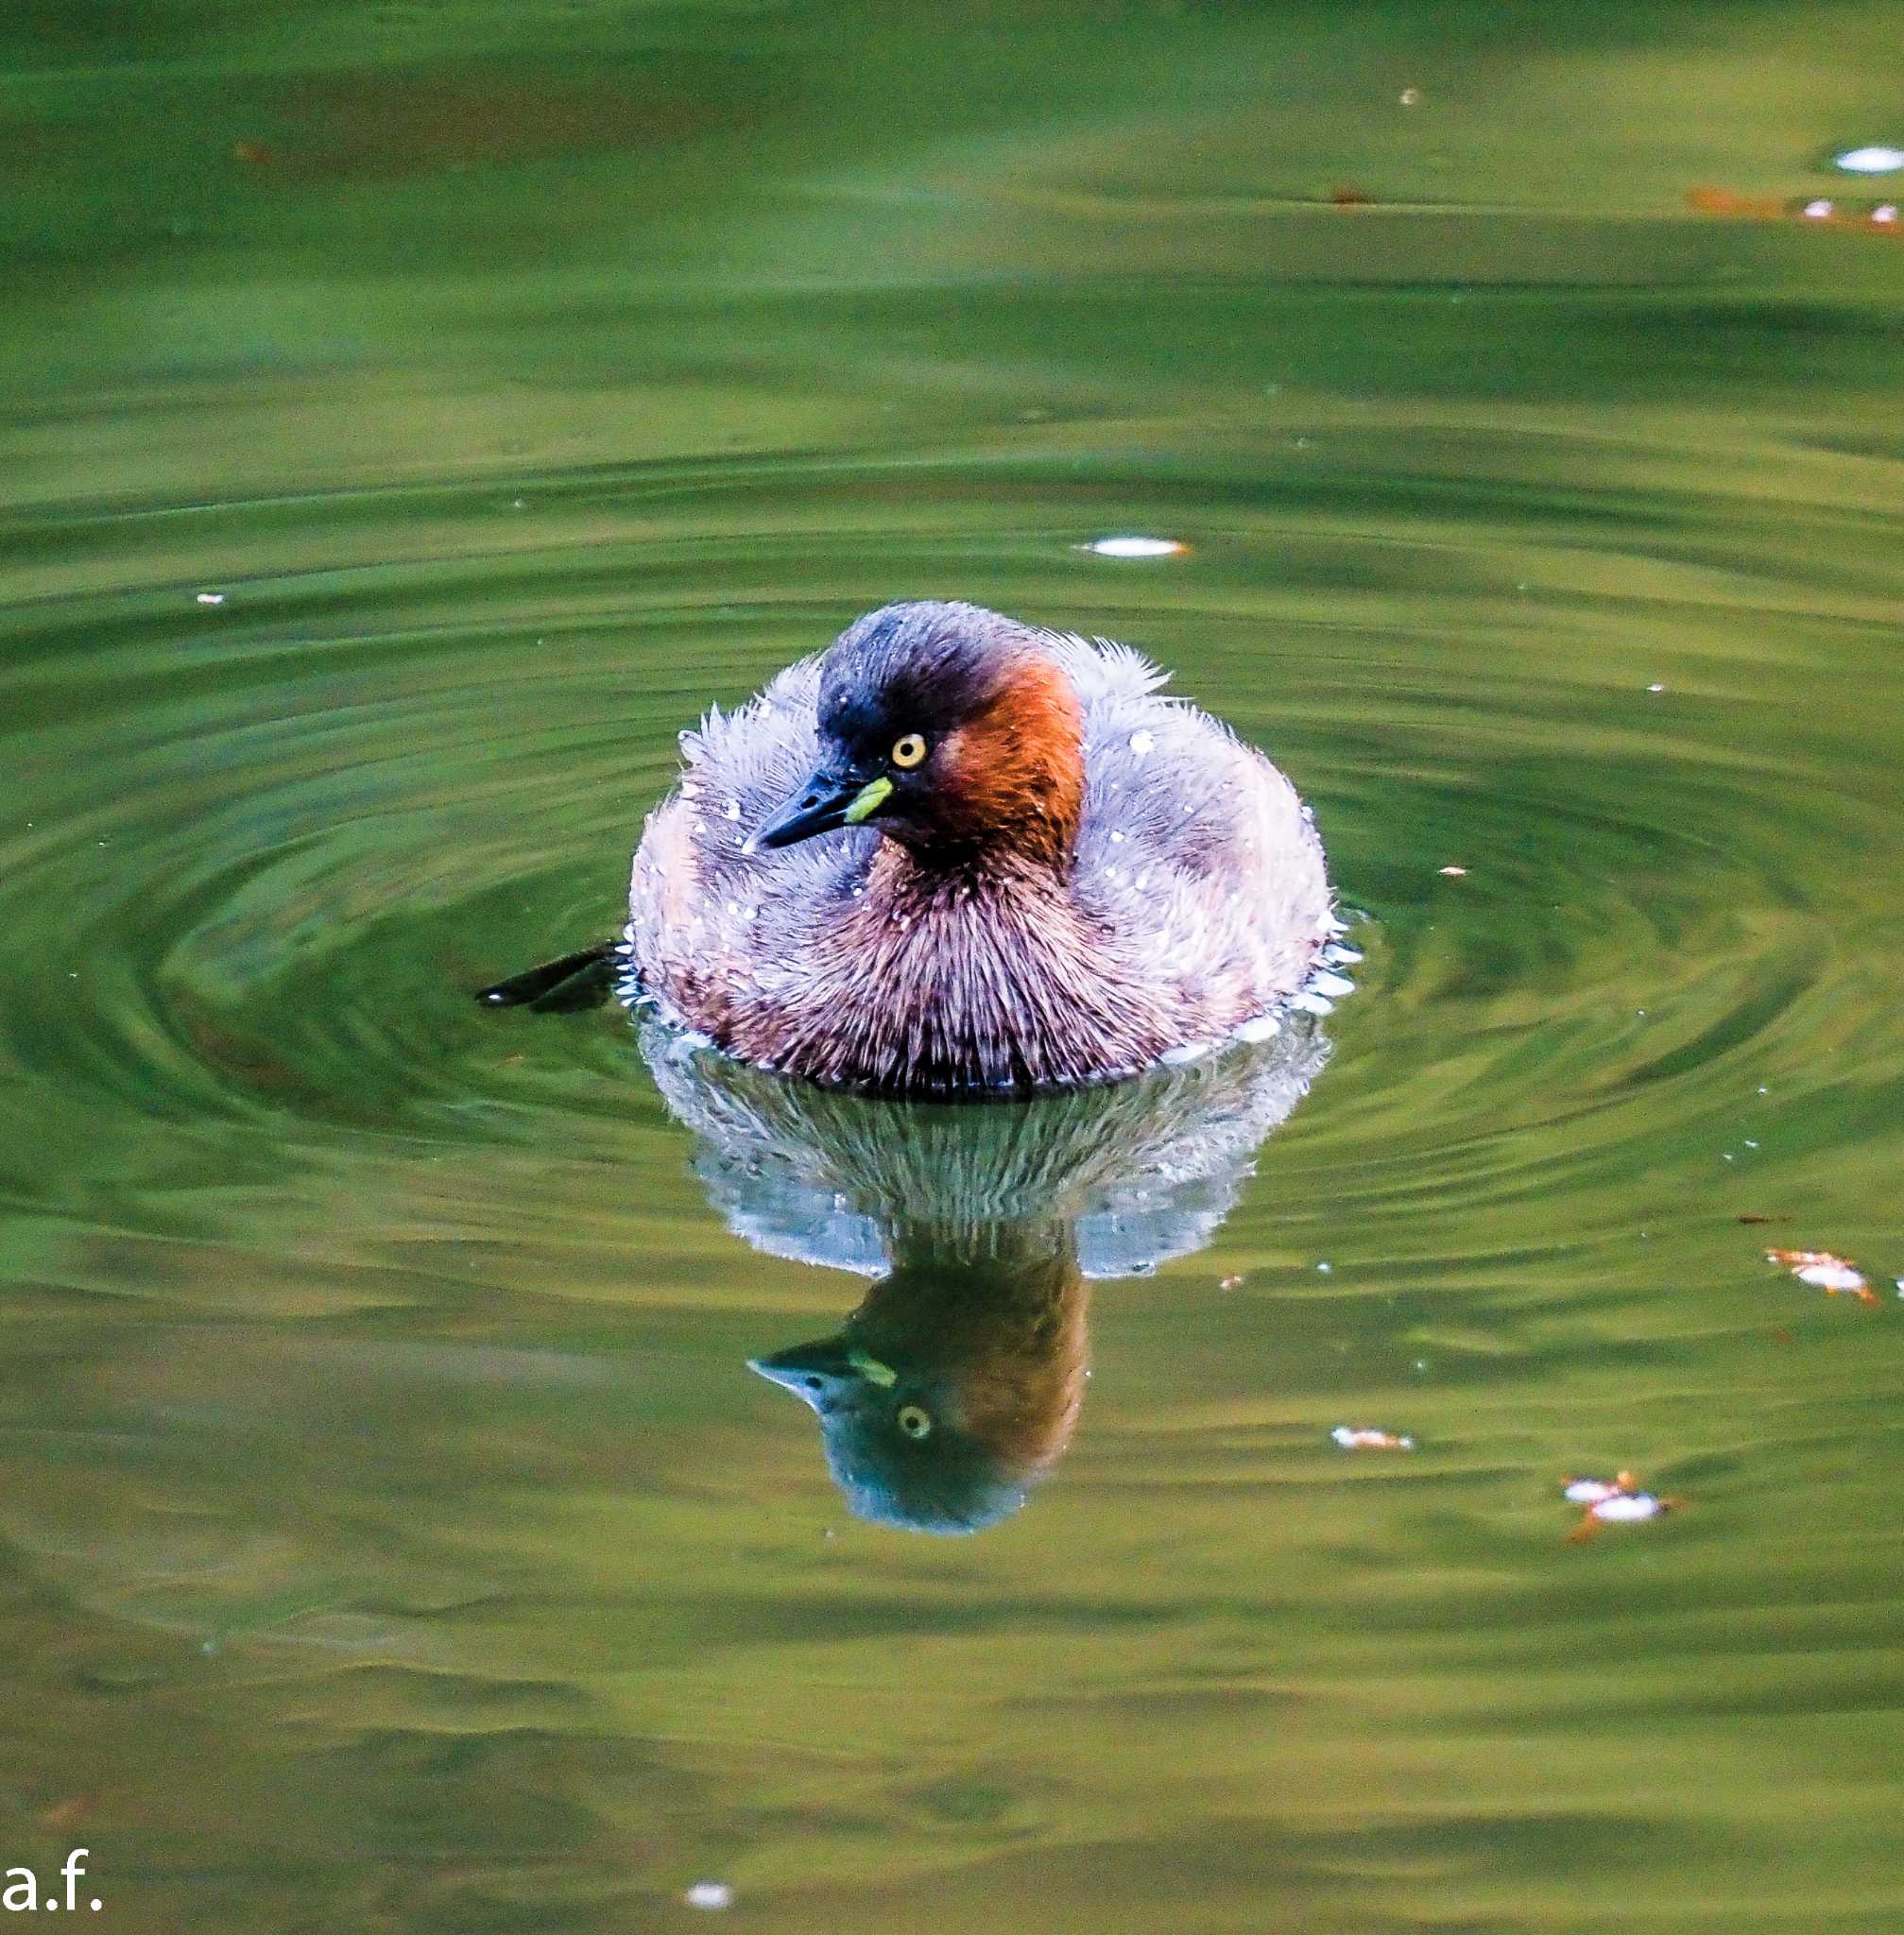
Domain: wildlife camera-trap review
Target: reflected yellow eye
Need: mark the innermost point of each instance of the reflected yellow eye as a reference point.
(914, 1422)
(907, 753)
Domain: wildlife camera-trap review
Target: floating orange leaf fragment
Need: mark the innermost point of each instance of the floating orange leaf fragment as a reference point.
(1708, 201)
(1834, 1276)
(71, 1811)
(1812, 208)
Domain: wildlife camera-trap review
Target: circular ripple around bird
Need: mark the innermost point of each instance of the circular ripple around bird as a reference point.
(1593, 798)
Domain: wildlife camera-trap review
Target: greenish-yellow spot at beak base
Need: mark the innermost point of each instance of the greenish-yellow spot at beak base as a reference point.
(869, 799)
(870, 1367)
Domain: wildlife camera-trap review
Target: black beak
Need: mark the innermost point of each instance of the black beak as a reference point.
(816, 1374)
(823, 801)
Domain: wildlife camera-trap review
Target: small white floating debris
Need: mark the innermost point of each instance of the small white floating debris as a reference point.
(1453, 873)
(1835, 1276)
(1411, 97)
(1627, 1508)
(1367, 1438)
(1334, 986)
(1656, 688)
(1596, 1491)
(1230, 1283)
(210, 597)
(1612, 1501)
(1819, 210)
(1142, 742)
(1884, 211)
(1325, 1267)
(1130, 544)
(1874, 160)
(712, 1895)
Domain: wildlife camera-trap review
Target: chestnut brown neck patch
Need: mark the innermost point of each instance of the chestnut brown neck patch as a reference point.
(1010, 776)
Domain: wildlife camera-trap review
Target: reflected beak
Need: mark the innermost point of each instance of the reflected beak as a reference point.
(820, 1373)
(814, 1373)
(823, 801)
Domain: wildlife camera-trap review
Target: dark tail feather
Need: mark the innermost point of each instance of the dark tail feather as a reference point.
(578, 980)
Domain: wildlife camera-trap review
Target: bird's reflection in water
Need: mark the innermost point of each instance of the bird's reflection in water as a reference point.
(955, 1385)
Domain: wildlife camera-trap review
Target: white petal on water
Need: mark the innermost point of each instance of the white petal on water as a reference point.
(1627, 1508)
(710, 1894)
(1131, 544)
(1334, 986)
(1831, 1277)
(1875, 160)
(1368, 1438)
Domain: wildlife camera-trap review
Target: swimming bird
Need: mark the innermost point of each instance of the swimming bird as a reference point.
(957, 855)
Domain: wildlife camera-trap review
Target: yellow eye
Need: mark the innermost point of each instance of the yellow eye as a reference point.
(914, 1422)
(909, 753)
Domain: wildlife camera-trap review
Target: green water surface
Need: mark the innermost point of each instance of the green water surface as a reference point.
(414, 413)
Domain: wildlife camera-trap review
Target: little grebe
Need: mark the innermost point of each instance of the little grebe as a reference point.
(1035, 874)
